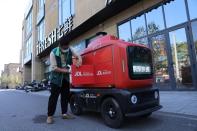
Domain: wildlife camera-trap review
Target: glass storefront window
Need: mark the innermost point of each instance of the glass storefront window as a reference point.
(40, 12)
(40, 4)
(194, 32)
(175, 13)
(79, 47)
(143, 41)
(41, 31)
(192, 8)
(124, 31)
(181, 60)
(138, 27)
(72, 7)
(66, 9)
(29, 23)
(28, 45)
(155, 21)
(160, 61)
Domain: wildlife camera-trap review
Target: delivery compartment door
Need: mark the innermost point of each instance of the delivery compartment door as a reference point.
(82, 75)
(103, 65)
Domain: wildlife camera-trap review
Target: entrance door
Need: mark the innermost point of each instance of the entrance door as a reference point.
(181, 57)
(161, 78)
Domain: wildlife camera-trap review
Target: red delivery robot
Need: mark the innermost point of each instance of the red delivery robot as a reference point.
(116, 79)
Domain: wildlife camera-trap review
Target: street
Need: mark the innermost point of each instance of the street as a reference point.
(20, 111)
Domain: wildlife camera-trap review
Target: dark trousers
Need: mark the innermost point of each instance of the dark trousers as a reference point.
(55, 91)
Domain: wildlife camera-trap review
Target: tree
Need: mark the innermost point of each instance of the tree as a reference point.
(141, 31)
(11, 80)
(152, 27)
(4, 80)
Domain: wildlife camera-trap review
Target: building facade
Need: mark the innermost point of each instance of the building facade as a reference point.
(168, 27)
(11, 75)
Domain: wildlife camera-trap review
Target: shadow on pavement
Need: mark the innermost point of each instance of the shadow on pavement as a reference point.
(129, 122)
(38, 119)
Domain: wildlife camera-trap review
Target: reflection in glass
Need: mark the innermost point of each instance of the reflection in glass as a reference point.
(194, 31)
(29, 23)
(175, 13)
(40, 4)
(143, 41)
(155, 21)
(41, 31)
(66, 9)
(79, 47)
(192, 8)
(181, 61)
(138, 27)
(160, 61)
(124, 31)
(72, 7)
(29, 47)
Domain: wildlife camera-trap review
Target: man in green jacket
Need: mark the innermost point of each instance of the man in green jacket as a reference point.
(60, 59)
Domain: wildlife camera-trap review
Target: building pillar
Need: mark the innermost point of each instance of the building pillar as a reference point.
(27, 73)
(37, 68)
(37, 71)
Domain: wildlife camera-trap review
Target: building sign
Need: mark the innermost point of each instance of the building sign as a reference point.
(55, 35)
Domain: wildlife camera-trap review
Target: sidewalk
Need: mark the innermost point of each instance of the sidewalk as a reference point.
(182, 102)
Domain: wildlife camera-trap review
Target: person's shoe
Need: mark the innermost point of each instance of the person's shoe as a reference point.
(67, 116)
(49, 120)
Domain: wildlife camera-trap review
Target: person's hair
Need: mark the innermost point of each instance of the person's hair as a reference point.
(61, 44)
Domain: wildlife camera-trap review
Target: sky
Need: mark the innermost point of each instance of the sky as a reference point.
(11, 17)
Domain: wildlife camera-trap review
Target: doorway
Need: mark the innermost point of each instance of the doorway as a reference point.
(181, 58)
(172, 57)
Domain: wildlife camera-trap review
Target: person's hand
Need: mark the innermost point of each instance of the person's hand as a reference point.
(66, 71)
(69, 68)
